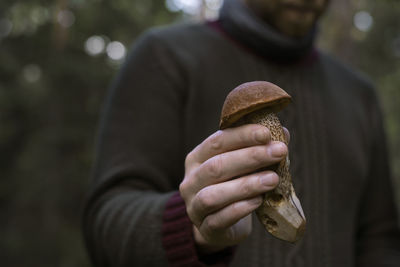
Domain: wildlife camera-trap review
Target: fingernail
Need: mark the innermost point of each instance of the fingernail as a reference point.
(278, 149)
(270, 179)
(261, 135)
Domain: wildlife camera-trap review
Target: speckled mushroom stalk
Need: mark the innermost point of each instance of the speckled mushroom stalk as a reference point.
(257, 102)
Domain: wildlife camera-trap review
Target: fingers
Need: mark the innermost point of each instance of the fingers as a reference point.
(218, 223)
(228, 140)
(231, 164)
(216, 203)
(216, 241)
(218, 196)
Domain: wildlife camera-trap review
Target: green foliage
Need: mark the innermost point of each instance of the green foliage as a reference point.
(375, 52)
(51, 91)
(380, 57)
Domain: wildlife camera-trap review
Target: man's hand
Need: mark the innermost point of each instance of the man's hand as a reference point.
(222, 185)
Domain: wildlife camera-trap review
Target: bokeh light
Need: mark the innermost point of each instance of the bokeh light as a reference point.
(31, 73)
(187, 6)
(116, 50)
(203, 9)
(363, 21)
(214, 4)
(211, 11)
(95, 45)
(39, 15)
(172, 5)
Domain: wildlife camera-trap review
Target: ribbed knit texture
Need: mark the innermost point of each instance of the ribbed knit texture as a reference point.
(178, 241)
(177, 234)
(305, 119)
(308, 144)
(167, 100)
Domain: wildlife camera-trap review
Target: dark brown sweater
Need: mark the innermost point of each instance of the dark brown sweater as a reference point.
(168, 98)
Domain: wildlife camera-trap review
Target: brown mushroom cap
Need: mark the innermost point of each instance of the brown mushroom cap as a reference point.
(249, 97)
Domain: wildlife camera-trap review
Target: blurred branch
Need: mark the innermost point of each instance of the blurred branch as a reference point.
(60, 33)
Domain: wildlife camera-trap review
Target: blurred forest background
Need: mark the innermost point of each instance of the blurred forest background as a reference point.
(57, 59)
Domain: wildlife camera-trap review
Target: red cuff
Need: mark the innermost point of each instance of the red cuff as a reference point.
(178, 240)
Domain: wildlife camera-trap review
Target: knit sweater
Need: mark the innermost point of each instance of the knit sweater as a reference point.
(167, 99)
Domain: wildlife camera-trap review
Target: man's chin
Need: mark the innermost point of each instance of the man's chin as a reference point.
(294, 26)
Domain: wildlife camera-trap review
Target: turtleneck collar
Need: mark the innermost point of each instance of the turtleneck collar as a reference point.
(243, 25)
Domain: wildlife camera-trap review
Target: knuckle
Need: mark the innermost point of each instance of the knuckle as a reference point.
(258, 155)
(204, 201)
(215, 141)
(189, 158)
(183, 188)
(243, 133)
(212, 224)
(190, 213)
(253, 128)
(193, 216)
(236, 208)
(246, 187)
(213, 167)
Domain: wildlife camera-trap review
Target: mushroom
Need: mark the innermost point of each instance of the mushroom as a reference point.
(257, 102)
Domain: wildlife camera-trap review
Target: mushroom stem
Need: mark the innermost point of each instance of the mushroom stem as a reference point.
(281, 212)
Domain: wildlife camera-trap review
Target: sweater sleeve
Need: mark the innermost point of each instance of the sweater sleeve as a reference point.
(139, 165)
(379, 235)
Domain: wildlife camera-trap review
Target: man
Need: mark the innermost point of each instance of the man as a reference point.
(163, 111)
